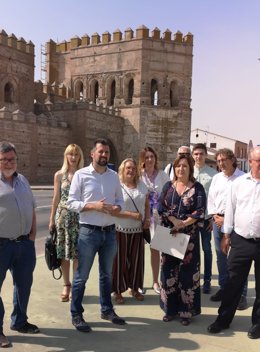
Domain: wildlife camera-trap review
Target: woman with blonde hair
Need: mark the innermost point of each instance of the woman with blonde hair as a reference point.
(128, 269)
(154, 179)
(66, 221)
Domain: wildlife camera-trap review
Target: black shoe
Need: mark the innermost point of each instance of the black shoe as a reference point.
(216, 328)
(80, 324)
(113, 317)
(27, 329)
(206, 287)
(254, 332)
(242, 305)
(217, 297)
(4, 342)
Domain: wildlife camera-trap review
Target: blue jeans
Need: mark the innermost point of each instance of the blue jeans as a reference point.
(206, 246)
(90, 242)
(20, 259)
(222, 261)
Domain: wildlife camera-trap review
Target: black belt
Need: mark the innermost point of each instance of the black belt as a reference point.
(18, 239)
(99, 228)
(254, 239)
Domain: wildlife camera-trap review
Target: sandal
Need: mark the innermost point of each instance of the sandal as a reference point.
(118, 298)
(137, 295)
(156, 288)
(185, 321)
(167, 318)
(65, 297)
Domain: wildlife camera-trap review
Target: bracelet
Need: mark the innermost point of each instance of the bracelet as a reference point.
(147, 220)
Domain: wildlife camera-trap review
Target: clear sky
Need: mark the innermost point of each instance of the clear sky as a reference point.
(226, 69)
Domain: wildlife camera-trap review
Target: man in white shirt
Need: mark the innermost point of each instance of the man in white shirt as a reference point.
(203, 174)
(242, 225)
(218, 190)
(183, 150)
(96, 194)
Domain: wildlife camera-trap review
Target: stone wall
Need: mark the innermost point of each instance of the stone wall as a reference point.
(88, 122)
(40, 142)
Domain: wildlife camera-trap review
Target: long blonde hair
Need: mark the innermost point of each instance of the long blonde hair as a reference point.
(72, 149)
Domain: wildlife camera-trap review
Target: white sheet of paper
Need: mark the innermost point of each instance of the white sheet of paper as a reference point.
(165, 242)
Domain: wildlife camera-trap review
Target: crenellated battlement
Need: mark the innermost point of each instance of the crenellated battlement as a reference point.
(141, 33)
(41, 119)
(14, 43)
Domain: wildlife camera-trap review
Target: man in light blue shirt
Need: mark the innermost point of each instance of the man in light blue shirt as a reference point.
(17, 236)
(203, 174)
(96, 194)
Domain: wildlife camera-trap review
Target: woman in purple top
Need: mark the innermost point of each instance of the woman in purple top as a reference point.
(154, 180)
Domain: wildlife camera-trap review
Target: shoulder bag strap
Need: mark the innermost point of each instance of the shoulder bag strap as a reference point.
(130, 198)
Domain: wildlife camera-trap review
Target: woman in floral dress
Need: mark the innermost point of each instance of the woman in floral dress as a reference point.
(181, 207)
(66, 221)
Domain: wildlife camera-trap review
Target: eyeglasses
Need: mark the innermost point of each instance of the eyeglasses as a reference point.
(186, 154)
(222, 160)
(10, 160)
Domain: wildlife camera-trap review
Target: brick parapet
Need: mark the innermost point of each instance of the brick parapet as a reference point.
(18, 44)
(141, 33)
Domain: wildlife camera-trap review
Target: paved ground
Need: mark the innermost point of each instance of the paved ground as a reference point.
(145, 330)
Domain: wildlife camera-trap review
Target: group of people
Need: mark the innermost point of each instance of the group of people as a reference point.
(97, 211)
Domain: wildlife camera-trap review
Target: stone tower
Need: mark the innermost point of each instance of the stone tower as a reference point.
(147, 76)
(16, 73)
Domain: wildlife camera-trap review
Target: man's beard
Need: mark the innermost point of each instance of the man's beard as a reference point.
(102, 162)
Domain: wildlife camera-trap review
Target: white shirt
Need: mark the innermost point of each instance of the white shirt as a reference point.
(218, 191)
(89, 186)
(157, 184)
(169, 170)
(243, 207)
(138, 194)
(155, 188)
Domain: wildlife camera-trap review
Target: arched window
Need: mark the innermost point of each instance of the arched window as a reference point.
(174, 94)
(130, 92)
(112, 93)
(9, 93)
(154, 93)
(94, 88)
(79, 90)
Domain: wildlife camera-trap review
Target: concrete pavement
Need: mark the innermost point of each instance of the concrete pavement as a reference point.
(145, 330)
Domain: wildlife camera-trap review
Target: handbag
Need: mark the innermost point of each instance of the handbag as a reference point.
(146, 232)
(53, 263)
(147, 235)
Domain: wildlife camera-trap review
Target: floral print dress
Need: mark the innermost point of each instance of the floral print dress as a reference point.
(67, 224)
(180, 279)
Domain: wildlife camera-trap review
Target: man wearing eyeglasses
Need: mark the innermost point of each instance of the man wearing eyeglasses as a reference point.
(242, 228)
(217, 197)
(17, 236)
(183, 150)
